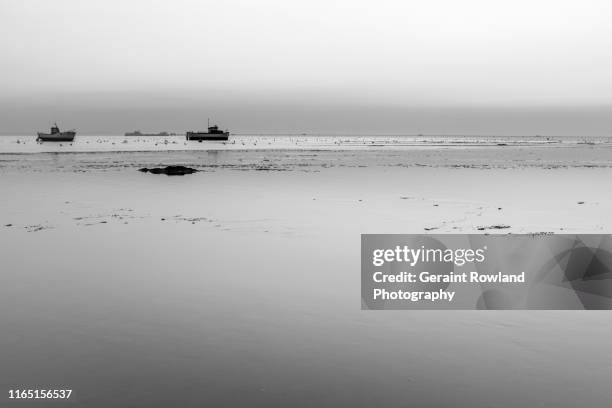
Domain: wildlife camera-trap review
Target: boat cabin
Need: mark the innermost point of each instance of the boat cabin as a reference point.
(214, 130)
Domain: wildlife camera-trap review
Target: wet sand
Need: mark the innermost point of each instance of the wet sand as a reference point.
(241, 282)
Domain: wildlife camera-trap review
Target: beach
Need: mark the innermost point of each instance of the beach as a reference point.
(241, 282)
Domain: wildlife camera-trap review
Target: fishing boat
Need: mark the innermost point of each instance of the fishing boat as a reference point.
(56, 135)
(139, 133)
(214, 133)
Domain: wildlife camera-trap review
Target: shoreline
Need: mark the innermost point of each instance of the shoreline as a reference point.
(87, 144)
(488, 158)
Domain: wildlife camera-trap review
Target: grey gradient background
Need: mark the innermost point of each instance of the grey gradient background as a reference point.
(440, 66)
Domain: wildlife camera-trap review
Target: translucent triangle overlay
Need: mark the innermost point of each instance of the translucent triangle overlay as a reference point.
(576, 277)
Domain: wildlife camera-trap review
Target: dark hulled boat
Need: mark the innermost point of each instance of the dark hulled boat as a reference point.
(213, 134)
(139, 133)
(56, 135)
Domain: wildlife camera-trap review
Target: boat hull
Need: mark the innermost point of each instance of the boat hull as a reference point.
(147, 134)
(56, 137)
(207, 136)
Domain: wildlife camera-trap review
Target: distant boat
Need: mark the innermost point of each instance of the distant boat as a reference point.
(213, 134)
(56, 135)
(139, 133)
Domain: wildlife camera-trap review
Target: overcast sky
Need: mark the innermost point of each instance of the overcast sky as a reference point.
(70, 57)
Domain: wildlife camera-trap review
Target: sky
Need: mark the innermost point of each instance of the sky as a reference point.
(388, 66)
